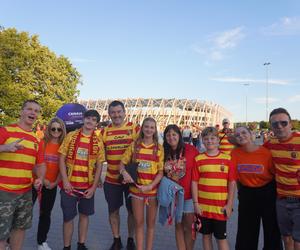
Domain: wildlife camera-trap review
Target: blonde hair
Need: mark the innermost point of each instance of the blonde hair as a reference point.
(48, 130)
(141, 134)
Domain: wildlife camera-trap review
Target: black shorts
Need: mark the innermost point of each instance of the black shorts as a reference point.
(217, 227)
(114, 196)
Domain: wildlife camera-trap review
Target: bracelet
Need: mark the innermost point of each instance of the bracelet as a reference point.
(195, 202)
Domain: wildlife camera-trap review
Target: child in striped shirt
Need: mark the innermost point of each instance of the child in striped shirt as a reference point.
(213, 187)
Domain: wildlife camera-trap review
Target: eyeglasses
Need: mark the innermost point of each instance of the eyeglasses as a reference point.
(282, 124)
(56, 129)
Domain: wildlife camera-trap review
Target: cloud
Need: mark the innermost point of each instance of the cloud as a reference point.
(284, 27)
(228, 39)
(249, 80)
(262, 100)
(219, 43)
(81, 60)
(295, 98)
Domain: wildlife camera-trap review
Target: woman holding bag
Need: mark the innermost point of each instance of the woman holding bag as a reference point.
(149, 156)
(179, 161)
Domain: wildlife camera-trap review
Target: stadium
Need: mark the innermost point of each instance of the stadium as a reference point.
(196, 113)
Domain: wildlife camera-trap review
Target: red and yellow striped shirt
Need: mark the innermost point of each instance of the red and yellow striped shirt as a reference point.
(225, 146)
(212, 175)
(80, 176)
(150, 159)
(286, 158)
(116, 140)
(16, 167)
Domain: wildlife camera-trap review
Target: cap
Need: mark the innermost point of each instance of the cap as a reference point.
(225, 120)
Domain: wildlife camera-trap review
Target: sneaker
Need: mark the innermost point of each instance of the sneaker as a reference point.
(44, 246)
(117, 244)
(130, 244)
(81, 246)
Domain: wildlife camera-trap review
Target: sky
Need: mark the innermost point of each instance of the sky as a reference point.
(207, 50)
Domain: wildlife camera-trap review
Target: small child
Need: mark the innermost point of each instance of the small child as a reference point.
(213, 187)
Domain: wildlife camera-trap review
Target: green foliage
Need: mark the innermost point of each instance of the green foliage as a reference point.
(296, 125)
(264, 125)
(29, 70)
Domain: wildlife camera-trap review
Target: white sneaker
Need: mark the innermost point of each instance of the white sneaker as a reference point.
(44, 246)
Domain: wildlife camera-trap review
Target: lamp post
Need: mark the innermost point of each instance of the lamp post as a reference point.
(246, 85)
(267, 89)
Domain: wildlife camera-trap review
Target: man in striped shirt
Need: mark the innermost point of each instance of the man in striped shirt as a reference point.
(285, 149)
(20, 151)
(225, 145)
(116, 138)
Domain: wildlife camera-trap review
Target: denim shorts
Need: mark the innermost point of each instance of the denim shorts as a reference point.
(69, 205)
(188, 206)
(288, 216)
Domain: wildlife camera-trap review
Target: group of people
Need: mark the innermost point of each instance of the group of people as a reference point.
(267, 179)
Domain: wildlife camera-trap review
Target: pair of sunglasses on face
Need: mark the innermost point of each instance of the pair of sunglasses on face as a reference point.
(56, 129)
(276, 124)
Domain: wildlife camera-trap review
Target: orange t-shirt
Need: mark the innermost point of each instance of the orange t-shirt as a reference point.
(254, 169)
(51, 159)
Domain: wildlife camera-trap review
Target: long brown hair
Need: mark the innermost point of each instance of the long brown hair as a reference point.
(48, 130)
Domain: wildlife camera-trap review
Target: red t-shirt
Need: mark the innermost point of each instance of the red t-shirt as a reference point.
(186, 181)
(189, 161)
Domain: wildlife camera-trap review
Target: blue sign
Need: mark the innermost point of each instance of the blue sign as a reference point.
(72, 115)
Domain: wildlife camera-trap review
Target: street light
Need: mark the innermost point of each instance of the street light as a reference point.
(267, 88)
(246, 85)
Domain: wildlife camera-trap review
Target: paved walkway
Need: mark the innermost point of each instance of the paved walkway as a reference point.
(99, 235)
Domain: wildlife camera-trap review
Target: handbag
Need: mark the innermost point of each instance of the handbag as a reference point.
(132, 167)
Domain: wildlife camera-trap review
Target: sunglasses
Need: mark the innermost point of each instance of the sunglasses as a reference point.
(282, 124)
(56, 129)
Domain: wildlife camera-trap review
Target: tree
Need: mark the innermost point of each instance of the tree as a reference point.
(263, 125)
(29, 70)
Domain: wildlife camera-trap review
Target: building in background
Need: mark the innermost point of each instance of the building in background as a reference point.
(196, 113)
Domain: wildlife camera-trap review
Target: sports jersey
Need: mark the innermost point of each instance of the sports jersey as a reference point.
(254, 169)
(116, 140)
(51, 160)
(212, 175)
(286, 157)
(16, 167)
(225, 146)
(83, 168)
(150, 159)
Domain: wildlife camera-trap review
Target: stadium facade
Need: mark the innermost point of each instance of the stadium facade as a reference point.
(166, 111)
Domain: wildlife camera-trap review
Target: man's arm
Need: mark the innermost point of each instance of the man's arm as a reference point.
(12, 147)
(40, 171)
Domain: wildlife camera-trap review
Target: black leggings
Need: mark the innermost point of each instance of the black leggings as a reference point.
(46, 206)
